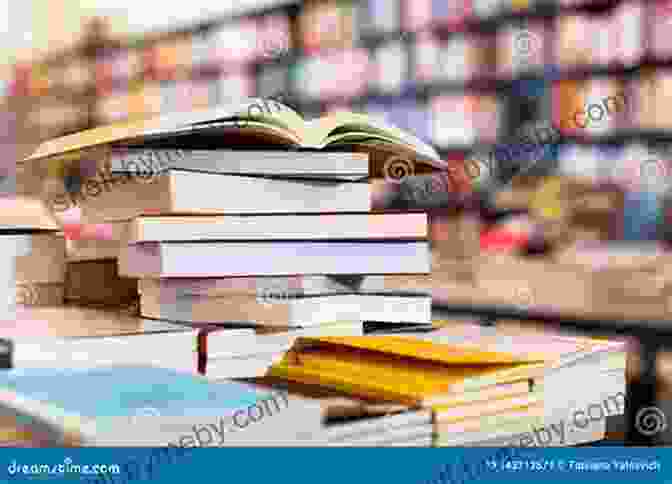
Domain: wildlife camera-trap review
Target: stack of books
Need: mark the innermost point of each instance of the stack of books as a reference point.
(33, 268)
(220, 223)
(281, 270)
(480, 389)
(458, 384)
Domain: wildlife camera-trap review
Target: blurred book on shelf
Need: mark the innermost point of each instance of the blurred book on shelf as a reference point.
(651, 100)
(659, 23)
(465, 120)
(389, 67)
(521, 49)
(325, 25)
(237, 43)
(612, 38)
(379, 16)
(415, 15)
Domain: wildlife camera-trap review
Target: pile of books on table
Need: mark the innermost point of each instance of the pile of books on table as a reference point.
(266, 265)
(480, 386)
(459, 384)
(238, 231)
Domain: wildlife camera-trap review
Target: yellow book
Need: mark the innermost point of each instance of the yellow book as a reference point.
(496, 392)
(403, 370)
(258, 122)
(444, 414)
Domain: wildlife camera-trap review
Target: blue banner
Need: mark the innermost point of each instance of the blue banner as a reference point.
(337, 465)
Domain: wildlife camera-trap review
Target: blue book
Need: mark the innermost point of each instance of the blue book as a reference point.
(132, 405)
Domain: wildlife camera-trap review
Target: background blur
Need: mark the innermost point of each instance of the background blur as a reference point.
(461, 74)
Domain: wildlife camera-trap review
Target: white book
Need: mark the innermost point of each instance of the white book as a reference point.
(210, 259)
(355, 226)
(309, 164)
(302, 311)
(175, 348)
(219, 343)
(252, 366)
(185, 192)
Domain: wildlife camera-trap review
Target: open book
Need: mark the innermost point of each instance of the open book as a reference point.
(255, 122)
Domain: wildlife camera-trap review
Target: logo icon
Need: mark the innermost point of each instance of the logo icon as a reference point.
(650, 421)
(397, 168)
(525, 46)
(526, 43)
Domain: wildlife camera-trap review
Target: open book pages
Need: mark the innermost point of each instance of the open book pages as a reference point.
(240, 125)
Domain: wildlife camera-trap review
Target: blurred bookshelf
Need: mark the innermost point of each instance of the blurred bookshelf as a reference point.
(464, 75)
